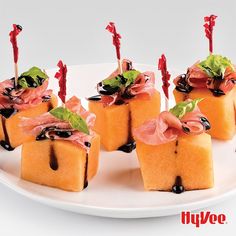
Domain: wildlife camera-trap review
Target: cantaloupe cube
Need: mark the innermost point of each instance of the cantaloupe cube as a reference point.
(10, 126)
(220, 111)
(70, 169)
(112, 124)
(115, 123)
(190, 157)
(144, 108)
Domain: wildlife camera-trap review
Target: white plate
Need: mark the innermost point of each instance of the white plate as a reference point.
(117, 189)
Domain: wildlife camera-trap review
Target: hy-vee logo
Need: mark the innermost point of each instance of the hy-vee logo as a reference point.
(202, 218)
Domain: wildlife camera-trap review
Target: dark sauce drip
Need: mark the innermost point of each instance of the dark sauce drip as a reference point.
(86, 172)
(128, 148)
(87, 144)
(63, 134)
(5, 143)
(95, 98)
(216, 91)
(176, 145)
(183, 85)
(119, 102)
(7, 112)
(60, 133)
(131, 145)
(178, 187)
(107, 89)
(46, 98)
(50, 106)
(185, 129)
(205, 123)
(53, 159)
(126, 94)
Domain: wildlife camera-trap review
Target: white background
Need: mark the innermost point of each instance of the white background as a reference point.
(74, 31)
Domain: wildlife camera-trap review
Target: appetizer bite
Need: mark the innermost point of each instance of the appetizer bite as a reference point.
(26, 95)
(65, 151)
(126, 99)
(174, 152)
(213, 79)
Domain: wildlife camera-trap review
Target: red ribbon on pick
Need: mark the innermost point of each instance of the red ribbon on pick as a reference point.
(116, 38)
(165, 75)
(61, 76)
(209, 25)
(13, 38)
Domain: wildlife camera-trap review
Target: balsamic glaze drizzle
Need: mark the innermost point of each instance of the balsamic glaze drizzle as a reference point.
(178, 187)
(130, 145)
(95, 98)
(86, 172)
(53, 159)
(205, 122)
(5, 143)
(183, 85)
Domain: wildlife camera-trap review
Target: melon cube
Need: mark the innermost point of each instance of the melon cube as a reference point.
(115, 123)
(10, 130)
(189, 157)
(220, 111)
(59, 163)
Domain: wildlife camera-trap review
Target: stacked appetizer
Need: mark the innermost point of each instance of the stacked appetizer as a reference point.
(213, 79)
(174, 152)
(24, 95)
(126, 99)
(65, 150)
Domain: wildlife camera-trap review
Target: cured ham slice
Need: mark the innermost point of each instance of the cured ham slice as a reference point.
(36, 125)
(144, 84)
(167, 127)
(197, 78)
(22, 99)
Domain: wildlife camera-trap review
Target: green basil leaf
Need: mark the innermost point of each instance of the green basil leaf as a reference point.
(215, 65)
(113, 82)
(180, 109)
(128, 78)
(36, 74)
(75, 120)
(23, 83)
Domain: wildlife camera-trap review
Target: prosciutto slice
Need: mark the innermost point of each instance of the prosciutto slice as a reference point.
(167, 127)
(143, 84)
(22, 99)
(34, 126)
(197, 78)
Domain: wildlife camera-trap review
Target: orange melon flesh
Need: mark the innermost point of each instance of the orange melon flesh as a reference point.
(71, 173)
(12, 124)
(115, 123)
(220, 111)
(144, 108)
(190, 158)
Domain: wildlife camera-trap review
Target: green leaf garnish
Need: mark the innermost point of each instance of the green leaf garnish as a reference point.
(34, 77)
(215, 65)
(130, 76)
(180, 109)
(126, 79)
(75, 120)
